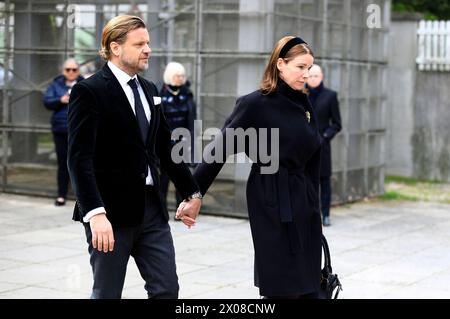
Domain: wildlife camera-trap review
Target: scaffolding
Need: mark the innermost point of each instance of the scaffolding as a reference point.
(224, 46)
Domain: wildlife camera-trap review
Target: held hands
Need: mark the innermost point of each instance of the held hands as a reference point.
(188, 211)
(102, 233)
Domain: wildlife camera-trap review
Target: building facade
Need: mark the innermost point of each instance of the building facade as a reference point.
(224, 46)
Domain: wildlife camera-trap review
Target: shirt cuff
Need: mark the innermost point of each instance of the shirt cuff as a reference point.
(92, 213)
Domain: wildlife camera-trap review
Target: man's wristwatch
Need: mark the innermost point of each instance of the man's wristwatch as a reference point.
(196, 195)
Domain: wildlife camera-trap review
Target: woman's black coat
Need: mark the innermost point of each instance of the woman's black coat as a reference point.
(283, 207)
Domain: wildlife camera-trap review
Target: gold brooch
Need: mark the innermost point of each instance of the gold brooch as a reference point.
(308, 116)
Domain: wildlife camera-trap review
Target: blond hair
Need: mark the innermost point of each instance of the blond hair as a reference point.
(272, 74)
(116, 30)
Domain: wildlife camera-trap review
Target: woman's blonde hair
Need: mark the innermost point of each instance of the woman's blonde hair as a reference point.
(172, 69)
(116, 30)
(271, 74)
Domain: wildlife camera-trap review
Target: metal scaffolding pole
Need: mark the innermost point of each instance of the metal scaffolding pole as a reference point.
(5, 115)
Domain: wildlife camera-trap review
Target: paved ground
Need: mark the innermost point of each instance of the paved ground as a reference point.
(379, 249)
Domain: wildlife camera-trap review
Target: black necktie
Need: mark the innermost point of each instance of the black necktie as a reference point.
(139, 109)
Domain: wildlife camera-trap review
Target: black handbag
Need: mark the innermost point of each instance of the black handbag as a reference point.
(330, 286)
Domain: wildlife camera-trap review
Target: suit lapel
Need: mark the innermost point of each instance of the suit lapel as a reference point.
(119, 101)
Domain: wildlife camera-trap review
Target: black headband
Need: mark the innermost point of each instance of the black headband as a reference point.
(289, 45)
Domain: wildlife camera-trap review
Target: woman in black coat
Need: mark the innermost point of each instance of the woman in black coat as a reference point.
(284, 206)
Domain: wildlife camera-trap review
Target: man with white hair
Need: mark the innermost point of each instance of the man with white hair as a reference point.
(326, 106)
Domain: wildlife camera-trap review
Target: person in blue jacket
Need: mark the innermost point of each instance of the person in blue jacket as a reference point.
(56, 99)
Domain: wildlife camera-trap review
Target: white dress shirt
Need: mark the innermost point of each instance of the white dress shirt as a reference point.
(123, 79)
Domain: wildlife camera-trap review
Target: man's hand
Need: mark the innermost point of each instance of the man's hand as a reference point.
(188, 211)
(64, 99)
(102, 233)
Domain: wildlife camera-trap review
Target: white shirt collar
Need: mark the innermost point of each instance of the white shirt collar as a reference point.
(121, 75)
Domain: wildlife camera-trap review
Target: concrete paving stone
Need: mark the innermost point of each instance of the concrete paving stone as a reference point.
(12, 229)
(42, 273)
(246, 263)
(438, 281)
(438, 230)
(401, 225)
(134, 292)
(342, 243)
(37, 213)
(8, 245)
(354, 222)
(190, 290)
(363, 257)
(31, 274)
(195, 241)
(80, 283)
(38, 223)
(379, 250)
(6, 287)
(438, 255)
(386, 229)
(359, 288)
(388, 274)
(76, 263)
(344, 267)
(238, 274)
(38, 253)
(211, 221)
(5, 216)
(241, 230)
(241, 245)
(402, 245)
(78, 243)
(417, 265)
(416, 292)
(210, 257)
(44, 236)
(230, 292)
(216, 276)
(8, 264)
(185, 267)
(39, 293)
(75, 228)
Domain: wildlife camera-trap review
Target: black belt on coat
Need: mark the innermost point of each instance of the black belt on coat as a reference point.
(285, 208)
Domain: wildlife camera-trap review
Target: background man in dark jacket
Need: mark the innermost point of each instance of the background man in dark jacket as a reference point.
(56, 98)
(326, 108)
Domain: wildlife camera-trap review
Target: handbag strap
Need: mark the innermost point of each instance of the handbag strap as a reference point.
(326, 252)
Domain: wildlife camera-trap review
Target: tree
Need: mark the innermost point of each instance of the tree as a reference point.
(433, 9)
